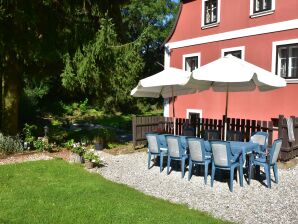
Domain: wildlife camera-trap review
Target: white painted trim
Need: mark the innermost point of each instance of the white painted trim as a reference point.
(240, 48)
(274, 46)
(253, 15)
(269, 28)
(191, 55)
(203, 15)
(166, 108)
(197, 111)
(167, 58)
(262, 14)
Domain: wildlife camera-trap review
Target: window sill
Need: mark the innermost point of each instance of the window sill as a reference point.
(209, 26)
(292, 80)
(265, 13)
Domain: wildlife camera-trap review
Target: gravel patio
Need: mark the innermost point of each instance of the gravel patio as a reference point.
(250, 204)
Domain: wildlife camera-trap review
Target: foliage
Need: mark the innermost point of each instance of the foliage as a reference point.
(78, 150)
(88, 155)
(57, 192)
(41, 145)
(104, 67)
(28, 131)
(69, 144)
(9, 144)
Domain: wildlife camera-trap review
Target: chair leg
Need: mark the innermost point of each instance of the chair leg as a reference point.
(206, 172)
(161, 162)
(241, 175)
(168, 165)
(275, 170)
(189, 169)
(182, 167)
(250, 172)
(149, 159)
(212, 174)
(267, 172)
(231, 179)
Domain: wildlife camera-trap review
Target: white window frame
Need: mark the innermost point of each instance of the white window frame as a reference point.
(274, 46)
(191, 55)
(196, 111)
(258, 14)
(240, 48)
(203, 26)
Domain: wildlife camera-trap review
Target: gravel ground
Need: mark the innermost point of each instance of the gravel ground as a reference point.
(250, 204)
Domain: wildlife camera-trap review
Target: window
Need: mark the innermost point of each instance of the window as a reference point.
(287, 61)
(191, 62)
(261, 7)
(210, 13)
(235, 51)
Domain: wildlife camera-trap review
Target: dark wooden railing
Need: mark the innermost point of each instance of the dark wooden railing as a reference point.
(275, 128)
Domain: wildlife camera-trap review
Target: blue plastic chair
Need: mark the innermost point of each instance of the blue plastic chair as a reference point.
(155, 149)
(222, 158)
(261, 138)
(198, 155)
(176, 152)
(272, 162)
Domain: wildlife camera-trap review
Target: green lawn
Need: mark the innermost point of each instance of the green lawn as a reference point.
(57, 192)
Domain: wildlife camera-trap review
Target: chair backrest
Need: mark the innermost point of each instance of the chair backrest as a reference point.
(162, 140)
(235, 136)
(261, 138)
(174, 146)
(196, 149)
(275, 150)
(211, 135)
(153, 143)
(221, 152)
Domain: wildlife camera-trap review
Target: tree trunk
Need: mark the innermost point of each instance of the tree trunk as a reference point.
(11, 98)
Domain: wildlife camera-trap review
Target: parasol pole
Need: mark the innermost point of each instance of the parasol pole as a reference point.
(173, 107)
(226, 113)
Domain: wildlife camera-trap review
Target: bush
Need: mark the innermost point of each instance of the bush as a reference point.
(9, 145)
(28, 133)
(41, 145)
(88, 155)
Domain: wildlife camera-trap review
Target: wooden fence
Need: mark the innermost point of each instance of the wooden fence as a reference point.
(276, 127)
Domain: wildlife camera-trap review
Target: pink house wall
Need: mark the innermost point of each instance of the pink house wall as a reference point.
(234, 16)
(258, 50)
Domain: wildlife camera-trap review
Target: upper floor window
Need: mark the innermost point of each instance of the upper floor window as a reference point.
(287, 61)
(261, 7)
(210, 12)
(191, 61)
(238, 52)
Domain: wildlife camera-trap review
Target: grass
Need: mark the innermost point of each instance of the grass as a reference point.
(57, 192)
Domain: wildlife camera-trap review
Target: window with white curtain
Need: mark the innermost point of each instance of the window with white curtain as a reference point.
(210, 11)
(262, 5)
(287, 61)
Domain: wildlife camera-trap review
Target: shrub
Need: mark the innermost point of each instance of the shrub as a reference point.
(28, 133)
(78, 150)
(9, 144)
(88, 155)
(69, 144)
(41, 145)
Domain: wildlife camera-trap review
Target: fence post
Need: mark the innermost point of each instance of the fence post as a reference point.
(280, 122)
(134, 130)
